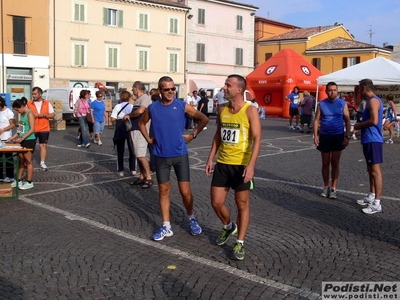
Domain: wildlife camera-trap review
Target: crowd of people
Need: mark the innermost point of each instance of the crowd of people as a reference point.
(154, 125)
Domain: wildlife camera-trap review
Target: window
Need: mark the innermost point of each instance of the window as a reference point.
(143, 59)
(173, 62)
(79, 55)
(200, 52)
(316, 62)
(350, 61)
(79, 12)
(268, 56)
(239, 23)
(113, 17)
(239, 57)
(112, 57)
(201, 18)
(173, 25)
(143, 20)
(19, 35)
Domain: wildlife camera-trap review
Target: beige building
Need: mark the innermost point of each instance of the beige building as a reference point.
(117, 42)
(25, 47)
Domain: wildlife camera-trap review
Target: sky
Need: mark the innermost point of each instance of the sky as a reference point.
(359, 17)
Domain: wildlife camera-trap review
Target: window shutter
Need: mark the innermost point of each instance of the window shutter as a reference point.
(120, 18)
(115, 62)
(171, 25)
(268, 56)
(105, 16)
(344, 62)
(76, 12)
(82, 55)
(82, 13)
(141, 20)
(358, 60)
(76, 55)
(146, 20)
(109, 58)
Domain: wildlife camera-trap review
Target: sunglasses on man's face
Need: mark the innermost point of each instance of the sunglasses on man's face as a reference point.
(169, 89)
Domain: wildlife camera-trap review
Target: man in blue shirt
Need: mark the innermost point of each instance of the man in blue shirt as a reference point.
(372, 142)
(294, 99)
(329, 137)
(170, 150)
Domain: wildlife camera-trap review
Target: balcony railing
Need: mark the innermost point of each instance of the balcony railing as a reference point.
(19, 48)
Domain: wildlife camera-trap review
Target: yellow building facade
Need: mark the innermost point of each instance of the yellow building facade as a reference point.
(25, 47)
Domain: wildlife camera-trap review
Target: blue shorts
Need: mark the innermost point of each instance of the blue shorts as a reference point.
(98, 127)
(330, 142)
(373, 153)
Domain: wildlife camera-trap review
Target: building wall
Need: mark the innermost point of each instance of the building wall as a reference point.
(127, 38)
(25, 68)
(221, 39)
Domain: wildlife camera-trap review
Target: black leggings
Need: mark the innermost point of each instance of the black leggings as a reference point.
(120, 155)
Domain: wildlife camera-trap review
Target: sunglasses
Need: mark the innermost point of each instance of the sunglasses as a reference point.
(170, 89)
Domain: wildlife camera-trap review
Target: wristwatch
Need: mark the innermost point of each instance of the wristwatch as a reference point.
(348, 137)
(194, 135)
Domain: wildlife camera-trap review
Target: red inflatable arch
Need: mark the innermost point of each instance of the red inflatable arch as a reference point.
(271, 82)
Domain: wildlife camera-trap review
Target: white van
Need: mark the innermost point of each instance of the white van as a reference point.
(68, 96)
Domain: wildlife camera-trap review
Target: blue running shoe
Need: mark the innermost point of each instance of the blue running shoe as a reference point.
(162, 232)
(194, 226)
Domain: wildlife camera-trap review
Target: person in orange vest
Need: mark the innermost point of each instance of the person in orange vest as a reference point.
(43, 111)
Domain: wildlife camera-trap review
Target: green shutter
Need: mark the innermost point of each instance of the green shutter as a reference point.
(76, 12)
(115, 50)
(82, 13)
(76, 55)
(146, 20)
(171, 25)
(120, 18)
(105, 16)
(109, 58)
(82, 55)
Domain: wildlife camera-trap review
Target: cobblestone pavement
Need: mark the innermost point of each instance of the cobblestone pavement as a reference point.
(84, 233)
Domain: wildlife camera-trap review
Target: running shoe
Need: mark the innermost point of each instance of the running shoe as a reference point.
(87, 145)
(332, 194)
(26, 186)
(238, 251)
(43, 167)
(225, 234)
(389, 141)
(366, 201)
(14, 184)
(8, 180)
(162, 232)
(373, 208)
(194, 226)
(325, 192)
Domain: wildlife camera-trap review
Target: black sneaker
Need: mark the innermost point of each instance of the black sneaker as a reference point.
(225, 234)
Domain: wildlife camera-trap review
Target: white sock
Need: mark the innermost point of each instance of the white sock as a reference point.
(191, 217)
(377, 202)
(42, 162)
(167, 225)
(240, 241)
(371, 195)
(228, 227)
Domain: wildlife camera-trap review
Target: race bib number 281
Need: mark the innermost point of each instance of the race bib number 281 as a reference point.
(230, 133)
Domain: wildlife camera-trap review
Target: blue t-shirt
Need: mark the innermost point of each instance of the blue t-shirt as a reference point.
(294, 100)
(168, 122)
(98, 108)
(331, 121)
(373, 133)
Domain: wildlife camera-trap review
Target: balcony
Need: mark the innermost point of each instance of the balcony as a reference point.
(19, 48)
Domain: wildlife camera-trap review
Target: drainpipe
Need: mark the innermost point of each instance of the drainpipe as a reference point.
(54, 39)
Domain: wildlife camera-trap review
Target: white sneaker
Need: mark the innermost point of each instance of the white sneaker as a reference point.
(353, 137)
(79, 146)
(332, 194)
(373, 208)
(366, 201)
(389, 141)
(43, 167)
(298, 127)
(87, 145)
(325, 192)
(205, 128)
(26, 186)
(95, 141)
(100, 143)
(133, 173)
(292, 128)
(8, 180)
(121, 174)
(14, 184)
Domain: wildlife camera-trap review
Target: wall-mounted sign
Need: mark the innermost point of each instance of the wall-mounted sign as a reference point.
(18, 77)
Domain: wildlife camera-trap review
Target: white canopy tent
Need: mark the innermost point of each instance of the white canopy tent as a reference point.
(380, 70)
